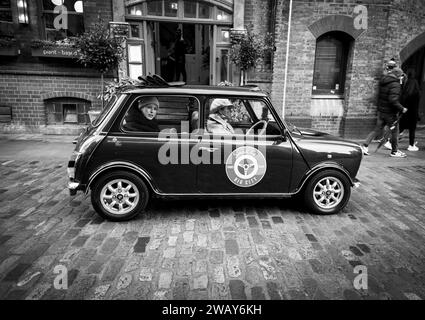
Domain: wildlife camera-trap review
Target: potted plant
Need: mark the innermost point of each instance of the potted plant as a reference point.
(248, 49)
(8, 47)
(100, 50)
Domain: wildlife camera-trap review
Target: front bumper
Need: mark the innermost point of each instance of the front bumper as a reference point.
(73, 187)
(356, 183)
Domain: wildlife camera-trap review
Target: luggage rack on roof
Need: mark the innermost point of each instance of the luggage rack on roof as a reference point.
(156, 81)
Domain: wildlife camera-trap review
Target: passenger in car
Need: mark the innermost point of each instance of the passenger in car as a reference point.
(220, 113)
(143, 116)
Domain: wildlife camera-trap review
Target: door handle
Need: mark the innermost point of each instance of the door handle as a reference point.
(208, 149)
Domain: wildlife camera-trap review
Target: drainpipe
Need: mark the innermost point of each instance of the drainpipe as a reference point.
(118, 18)
(287, 59)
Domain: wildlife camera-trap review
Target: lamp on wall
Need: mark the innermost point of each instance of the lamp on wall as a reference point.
(23, 11)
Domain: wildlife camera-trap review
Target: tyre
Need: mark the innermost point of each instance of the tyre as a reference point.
(327, 192)
(119, 196)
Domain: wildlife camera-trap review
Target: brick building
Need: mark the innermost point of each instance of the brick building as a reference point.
(335, 55)
(47, 90)
(323, 34)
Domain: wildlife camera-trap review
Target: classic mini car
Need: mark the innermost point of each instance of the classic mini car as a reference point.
(206, 142)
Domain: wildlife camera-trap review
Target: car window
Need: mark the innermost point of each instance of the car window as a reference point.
(237, 116)
(106, 109)
(261, 110)
(222, 111)
(162, 113)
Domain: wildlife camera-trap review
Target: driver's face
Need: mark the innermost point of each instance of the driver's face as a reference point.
(227, 111)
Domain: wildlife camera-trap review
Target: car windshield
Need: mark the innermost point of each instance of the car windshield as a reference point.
(106, 109)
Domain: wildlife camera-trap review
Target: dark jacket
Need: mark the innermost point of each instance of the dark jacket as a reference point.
(410, 99)
(136, 121)
(389, 95)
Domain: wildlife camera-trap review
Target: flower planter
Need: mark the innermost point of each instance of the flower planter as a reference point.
(56, 52)
(9, 51)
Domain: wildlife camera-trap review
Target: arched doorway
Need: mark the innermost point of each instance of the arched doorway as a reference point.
(205, 40)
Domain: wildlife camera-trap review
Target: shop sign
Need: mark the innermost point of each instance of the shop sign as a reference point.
(55, 52)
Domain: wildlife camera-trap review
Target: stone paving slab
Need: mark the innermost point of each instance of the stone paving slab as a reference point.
(241, 249)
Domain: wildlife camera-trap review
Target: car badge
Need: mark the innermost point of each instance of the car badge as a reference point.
(246, 166)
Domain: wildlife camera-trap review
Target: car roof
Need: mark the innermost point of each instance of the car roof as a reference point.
(200, 90)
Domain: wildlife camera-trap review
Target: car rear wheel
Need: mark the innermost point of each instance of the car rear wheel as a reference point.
(119, 196)
(327, 192)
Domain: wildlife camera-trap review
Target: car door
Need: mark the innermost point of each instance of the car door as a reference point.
(164, 155)
(241, 164)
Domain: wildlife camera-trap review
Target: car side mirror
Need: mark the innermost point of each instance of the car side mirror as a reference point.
(284, 135)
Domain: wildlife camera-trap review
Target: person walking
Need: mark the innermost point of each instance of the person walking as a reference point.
(388, 108)
(410, 98)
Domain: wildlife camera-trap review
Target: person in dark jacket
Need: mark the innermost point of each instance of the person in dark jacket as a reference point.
(180, 50)
(388, 108)
(410, 98)
(143, 116)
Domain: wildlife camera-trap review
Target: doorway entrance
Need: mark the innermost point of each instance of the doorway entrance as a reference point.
(182, 51)
(417, 63)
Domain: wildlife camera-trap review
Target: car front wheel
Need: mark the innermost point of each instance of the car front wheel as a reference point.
(119, 196)
(327, 192)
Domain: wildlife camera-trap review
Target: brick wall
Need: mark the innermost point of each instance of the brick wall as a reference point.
(26, 81)
(95, 9)
(391, 26)
(27, 93)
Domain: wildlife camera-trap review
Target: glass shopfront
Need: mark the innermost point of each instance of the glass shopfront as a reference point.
(180, 40)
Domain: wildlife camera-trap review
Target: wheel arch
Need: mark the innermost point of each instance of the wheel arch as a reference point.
(322, 167)
(121, 166)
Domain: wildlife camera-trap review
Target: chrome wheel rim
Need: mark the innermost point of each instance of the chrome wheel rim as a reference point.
(119, 196)
(328, 192)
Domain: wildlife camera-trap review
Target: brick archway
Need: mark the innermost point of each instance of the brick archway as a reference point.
(335, 23)
(64, 94)
(412, 47)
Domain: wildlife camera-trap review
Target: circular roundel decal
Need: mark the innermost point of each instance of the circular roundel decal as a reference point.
(246, 166)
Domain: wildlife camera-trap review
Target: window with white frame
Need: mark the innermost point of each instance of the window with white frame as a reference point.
(135, 59)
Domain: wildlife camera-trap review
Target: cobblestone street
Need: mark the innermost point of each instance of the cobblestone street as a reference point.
(235, 249)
